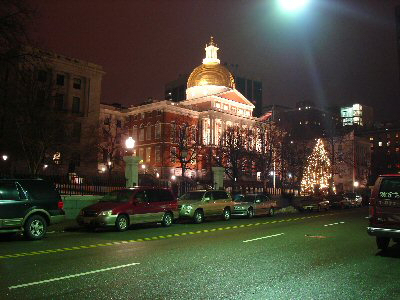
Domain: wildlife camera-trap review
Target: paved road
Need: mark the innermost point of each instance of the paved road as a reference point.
(299, 256)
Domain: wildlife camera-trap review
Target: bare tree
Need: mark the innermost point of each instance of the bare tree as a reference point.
(233, 151)
(110, 145)
(185, 139)
(267, 152)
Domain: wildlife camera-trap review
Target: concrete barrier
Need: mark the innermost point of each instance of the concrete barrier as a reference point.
(73, 204)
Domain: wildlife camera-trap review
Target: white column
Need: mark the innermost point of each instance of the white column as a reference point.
(131, 170)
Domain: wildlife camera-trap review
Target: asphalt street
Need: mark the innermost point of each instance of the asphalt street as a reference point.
(298, 256)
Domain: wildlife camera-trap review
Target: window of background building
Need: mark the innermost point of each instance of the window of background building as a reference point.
(76, 132)
(148, 133)
(42, 76)
(158, 154)
(380, 144)
(173, 154)
(76, 159)
(141, 153)
(148, 154)
(77, 83)
(76, 104)
(107, 120)
(119, 123)
(141, 133)
(59, 102)
(60, 79)
(157, 130)
(134, 132)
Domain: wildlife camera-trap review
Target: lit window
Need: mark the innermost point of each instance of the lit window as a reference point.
(218, 105)
(371, 138)
(148, 133)
(158, 154)
(141, 133)
(158, 130)
(388, 143)
(148, 154)
(380, 144)
(226, 107)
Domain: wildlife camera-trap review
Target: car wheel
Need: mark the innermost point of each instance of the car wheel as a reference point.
(35, 227)
(198, 216)
(271, 211)
(382, 242)
(226, 215)
(122, 223)
(167, 219)
(250, 213)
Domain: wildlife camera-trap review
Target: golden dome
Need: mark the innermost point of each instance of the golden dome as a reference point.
(211, 74)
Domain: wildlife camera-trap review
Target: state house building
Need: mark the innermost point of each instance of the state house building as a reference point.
(212, 104)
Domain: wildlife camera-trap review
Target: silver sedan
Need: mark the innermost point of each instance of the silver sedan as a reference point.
(254, 204)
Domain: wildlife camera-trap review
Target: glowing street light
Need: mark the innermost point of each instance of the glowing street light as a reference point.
(173, 177)
(129, 143)
(5, 157)
(293, 5)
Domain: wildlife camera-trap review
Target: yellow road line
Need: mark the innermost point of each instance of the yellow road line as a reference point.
(152, 238)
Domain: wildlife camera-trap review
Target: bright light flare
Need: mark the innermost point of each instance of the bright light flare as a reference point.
(293, 5)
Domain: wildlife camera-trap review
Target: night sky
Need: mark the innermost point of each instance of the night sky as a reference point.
(333, 52)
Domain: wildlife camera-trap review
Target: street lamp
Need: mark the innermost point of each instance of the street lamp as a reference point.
(131, 164)
(293, 5)
(129, 144)
(144, 168)
(5, 157)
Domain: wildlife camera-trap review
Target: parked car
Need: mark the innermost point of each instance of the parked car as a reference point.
(29, 205)
(341, 200)
(199, 204)
(254, 204)
(384, 210)
(124, 207)
(352, 199)
(311, 202)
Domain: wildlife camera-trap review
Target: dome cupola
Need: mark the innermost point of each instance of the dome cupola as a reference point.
(211, 72)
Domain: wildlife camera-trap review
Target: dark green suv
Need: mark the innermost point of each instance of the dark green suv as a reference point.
(29, 205)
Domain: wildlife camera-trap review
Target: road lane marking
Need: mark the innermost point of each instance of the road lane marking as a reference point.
(264, 237)
(148, 239)
(70, 276)
(332, 224)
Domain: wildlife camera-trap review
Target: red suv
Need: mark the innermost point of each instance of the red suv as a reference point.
(131, 206)
(384, 210)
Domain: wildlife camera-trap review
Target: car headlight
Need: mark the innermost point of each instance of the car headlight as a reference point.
(106, 213)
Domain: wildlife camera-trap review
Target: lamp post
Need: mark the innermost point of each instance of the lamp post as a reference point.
(131, 164)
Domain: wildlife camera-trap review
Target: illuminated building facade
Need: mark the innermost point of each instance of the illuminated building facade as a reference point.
(211, 105)
(356, 114)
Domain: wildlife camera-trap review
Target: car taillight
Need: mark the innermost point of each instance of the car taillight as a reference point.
(60, 204)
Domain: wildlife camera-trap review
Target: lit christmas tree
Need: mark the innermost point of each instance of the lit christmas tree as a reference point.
(318, 172)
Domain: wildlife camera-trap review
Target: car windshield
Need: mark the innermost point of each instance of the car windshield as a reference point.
(248, 198)
(195, 196)
(118, 196)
